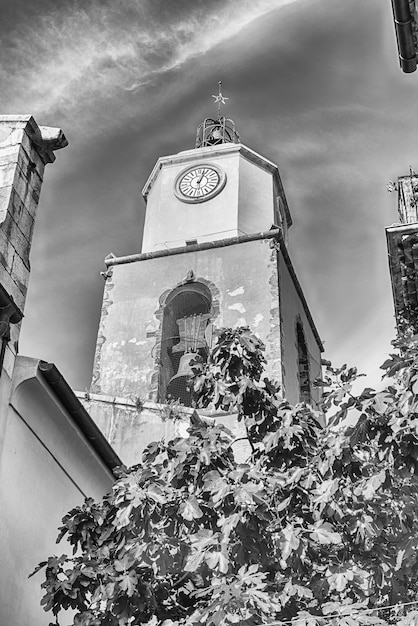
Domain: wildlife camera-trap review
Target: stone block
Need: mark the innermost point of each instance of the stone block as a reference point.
(12, 134)
(30, 170)
(19, 156)
(5, 199)
(20, 273)
(27, 145)
(24, 220)
(7, 173)
(26, 182)
(30, 202)
(16, 238)
(9, 154)
(31, 156)
(16, 292)
(7, 251)
(25, 189)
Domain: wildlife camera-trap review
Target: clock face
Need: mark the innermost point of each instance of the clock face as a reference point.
(199, 183)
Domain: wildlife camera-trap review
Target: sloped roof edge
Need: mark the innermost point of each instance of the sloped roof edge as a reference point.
(49, 374)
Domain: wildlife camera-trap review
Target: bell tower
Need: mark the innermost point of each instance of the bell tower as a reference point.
(214, 255)
(218, 190)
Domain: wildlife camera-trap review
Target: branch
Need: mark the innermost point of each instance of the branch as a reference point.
(249, 439)
(241, 439)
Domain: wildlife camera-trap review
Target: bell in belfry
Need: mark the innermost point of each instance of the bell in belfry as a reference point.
(192, 341)
(180, 386)
(216, 135)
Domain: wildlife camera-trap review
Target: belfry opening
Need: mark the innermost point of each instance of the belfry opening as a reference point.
(185, 340)
(303, 365)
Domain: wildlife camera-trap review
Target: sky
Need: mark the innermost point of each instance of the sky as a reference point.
(313, 85)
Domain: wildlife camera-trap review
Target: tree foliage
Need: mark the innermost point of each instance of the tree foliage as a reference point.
(319, 526)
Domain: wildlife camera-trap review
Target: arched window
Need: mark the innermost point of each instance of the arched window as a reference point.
(303, 365)
(185, 336)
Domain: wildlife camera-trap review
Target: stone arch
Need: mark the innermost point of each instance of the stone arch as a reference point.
(185, 315)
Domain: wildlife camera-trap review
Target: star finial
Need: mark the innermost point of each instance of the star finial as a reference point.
(220, 99)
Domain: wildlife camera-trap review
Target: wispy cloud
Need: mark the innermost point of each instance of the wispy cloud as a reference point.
(85, 54)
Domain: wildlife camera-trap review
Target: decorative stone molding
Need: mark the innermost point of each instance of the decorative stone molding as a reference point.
(46, 139)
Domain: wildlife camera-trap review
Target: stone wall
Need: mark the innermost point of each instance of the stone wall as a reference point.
(25, 149)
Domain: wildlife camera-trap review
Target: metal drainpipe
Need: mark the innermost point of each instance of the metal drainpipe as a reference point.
(4, 341)
(404, 35)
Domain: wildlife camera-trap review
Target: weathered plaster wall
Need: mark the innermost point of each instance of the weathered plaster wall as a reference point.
(291, 310)
(170, 222)
(46, 468)
(129, 429)
(243, 279)
(5, 386)
(256, 198)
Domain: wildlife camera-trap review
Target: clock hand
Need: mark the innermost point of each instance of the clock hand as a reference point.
(201, 178)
